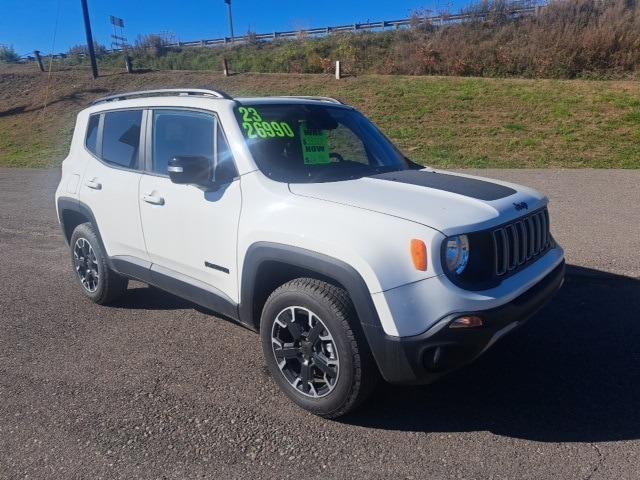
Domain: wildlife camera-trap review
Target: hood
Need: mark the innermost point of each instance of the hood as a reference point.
(449, 202)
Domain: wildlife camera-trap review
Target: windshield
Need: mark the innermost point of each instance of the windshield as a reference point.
(302, 143)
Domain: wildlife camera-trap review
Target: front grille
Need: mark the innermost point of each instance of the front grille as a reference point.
(521, 242)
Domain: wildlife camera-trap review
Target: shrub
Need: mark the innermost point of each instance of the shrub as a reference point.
(8, 54)
(81, 50)
(153, 45)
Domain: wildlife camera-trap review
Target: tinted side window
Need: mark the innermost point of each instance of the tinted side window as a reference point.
(181, 133)
(121, 137)
(91, 140)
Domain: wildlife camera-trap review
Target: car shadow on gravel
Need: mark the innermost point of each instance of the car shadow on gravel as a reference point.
(571, 374)
(143, 297)
(140, 296)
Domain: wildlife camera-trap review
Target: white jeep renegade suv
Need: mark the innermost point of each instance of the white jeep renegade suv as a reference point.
(297, 217)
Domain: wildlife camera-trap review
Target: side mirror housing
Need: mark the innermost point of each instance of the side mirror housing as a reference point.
(194, 170)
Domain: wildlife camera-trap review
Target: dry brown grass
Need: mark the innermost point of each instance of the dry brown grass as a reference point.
(567, 39)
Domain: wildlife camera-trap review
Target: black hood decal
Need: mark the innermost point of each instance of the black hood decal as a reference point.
(469, 187)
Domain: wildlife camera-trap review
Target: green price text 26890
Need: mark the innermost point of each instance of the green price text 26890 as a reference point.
(255, 127)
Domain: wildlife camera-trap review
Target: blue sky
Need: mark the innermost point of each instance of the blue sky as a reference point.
(29, 24)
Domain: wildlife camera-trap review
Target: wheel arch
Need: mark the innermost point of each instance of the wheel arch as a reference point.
(268, 265)
(71, 213)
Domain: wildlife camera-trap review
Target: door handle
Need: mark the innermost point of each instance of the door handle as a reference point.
(153, 199)
(94, 184)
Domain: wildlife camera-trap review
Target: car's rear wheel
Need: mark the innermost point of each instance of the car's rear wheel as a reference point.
(101, 284)
(314, 349)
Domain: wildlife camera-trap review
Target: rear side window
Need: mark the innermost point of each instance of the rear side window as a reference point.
(178, 133)
(121, 138)
(91, 140)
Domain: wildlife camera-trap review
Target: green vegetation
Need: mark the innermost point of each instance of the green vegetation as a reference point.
(566, 39)
(8, 54)
(440, 121)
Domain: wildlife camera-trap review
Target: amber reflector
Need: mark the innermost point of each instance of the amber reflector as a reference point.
(419, 254)
(468, 321)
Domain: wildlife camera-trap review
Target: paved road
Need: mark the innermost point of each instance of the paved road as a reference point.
(155, 388)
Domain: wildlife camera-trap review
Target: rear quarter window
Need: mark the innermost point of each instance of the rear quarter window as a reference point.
(91, 140)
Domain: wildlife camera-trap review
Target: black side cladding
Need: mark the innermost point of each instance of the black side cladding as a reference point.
(469, 187)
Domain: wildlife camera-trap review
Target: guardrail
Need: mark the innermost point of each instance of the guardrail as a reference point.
(436, 20)
(433, 20)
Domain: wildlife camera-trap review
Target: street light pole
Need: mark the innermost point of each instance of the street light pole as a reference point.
(228, 2)
(87, 29)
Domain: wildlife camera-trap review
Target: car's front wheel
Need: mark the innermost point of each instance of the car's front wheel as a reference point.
(313, 348)
(101, 284)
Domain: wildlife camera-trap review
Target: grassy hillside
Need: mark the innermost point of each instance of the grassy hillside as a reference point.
(440, 121)
(566, 39)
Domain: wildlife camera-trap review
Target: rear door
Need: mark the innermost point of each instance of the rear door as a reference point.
(189, 233)
(112, 177)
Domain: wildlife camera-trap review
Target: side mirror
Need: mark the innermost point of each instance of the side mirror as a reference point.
(193, 170)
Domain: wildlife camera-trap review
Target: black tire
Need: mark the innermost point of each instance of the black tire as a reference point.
(107, 285)
(355, 373)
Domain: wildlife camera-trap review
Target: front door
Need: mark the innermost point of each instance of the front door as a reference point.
(189, 231)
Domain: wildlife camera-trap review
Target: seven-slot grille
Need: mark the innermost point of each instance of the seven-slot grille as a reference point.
(520, 242)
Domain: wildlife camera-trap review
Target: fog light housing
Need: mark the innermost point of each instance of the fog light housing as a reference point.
(467, 321)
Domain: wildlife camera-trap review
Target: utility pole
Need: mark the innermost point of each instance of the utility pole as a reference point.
(87, 29)
(228, 2)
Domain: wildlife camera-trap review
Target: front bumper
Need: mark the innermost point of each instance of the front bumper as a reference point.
(424, 358)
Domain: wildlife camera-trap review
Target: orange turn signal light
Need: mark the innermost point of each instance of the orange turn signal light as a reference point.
(419, 254)
(467, 321)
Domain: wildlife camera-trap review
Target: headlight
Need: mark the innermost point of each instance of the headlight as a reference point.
(457, 254)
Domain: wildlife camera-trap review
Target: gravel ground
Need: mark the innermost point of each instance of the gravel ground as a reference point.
(158, 388)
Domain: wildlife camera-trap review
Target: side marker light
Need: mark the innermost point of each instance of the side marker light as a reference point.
(419, 254)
